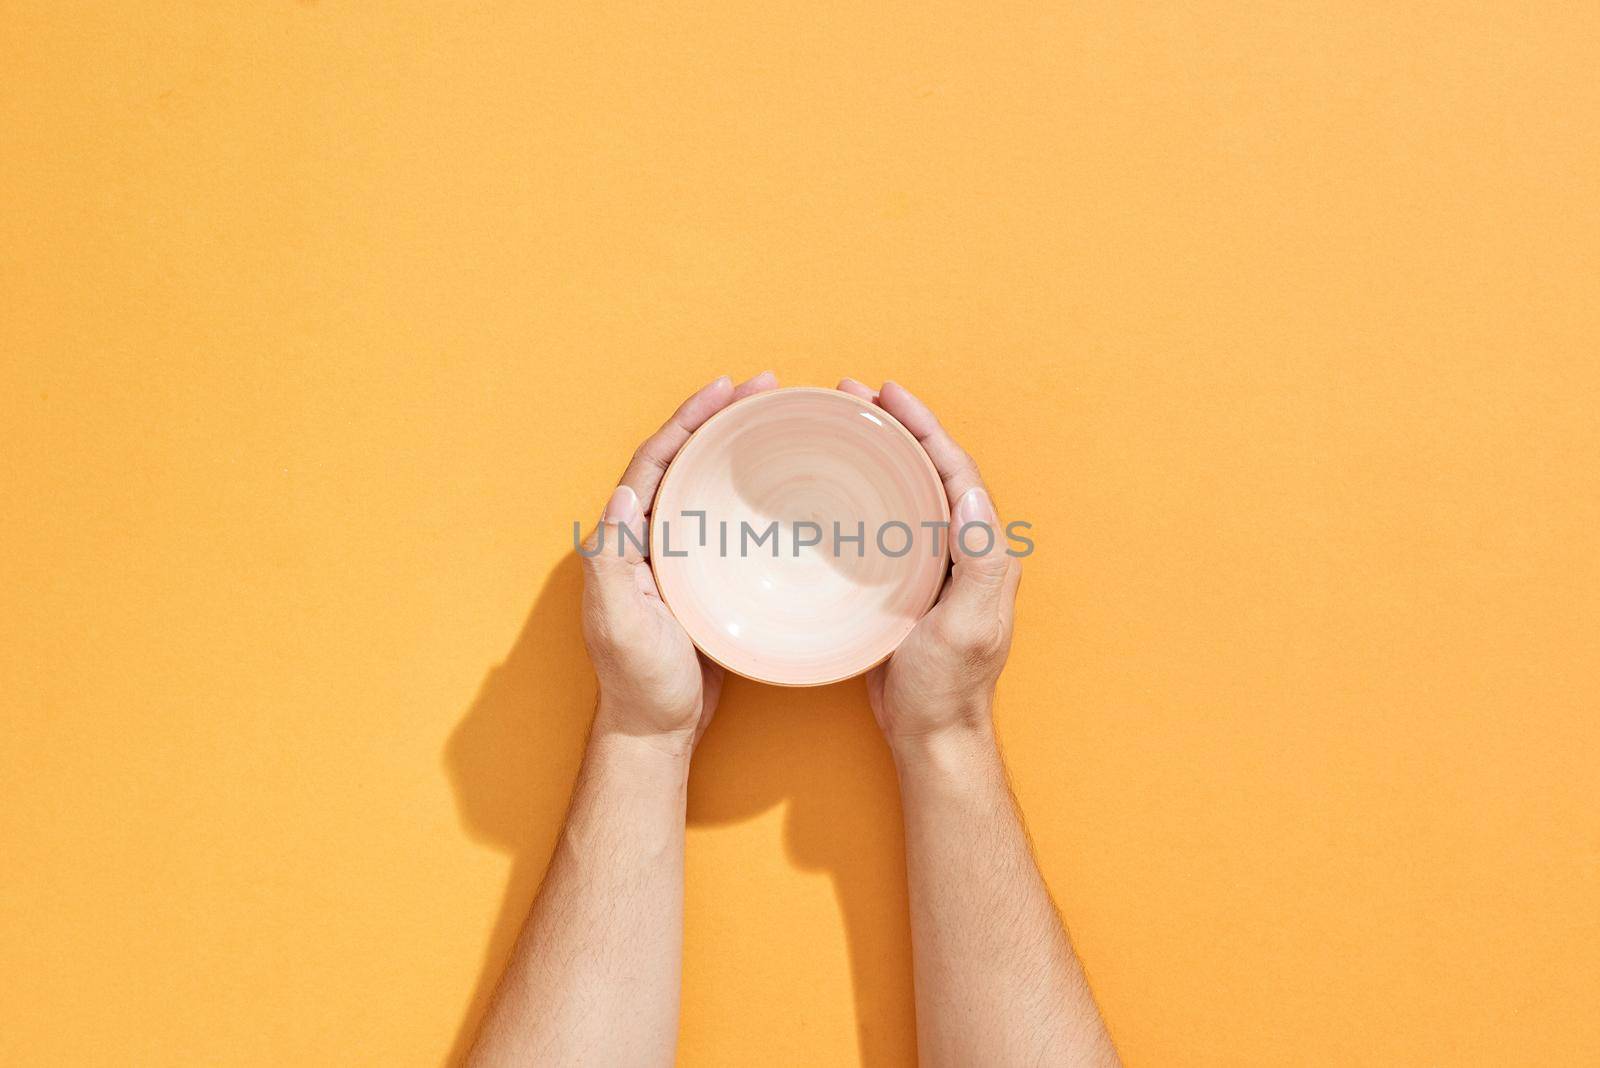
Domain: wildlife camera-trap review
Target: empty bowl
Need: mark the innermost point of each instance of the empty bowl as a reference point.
(799, 535)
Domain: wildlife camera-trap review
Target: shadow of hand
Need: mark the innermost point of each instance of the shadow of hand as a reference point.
(819, 751)
(514, 756)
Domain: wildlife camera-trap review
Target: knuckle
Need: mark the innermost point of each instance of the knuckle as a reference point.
(596, 548)
(606, 633)
(990, 568)
(648, 454)
(596, 572)
(970, 640)
(598, 631)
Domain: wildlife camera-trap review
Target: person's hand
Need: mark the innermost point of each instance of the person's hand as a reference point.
(654, 685)
(941, 680)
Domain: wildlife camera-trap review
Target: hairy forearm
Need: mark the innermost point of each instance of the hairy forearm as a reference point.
(996, 979)
(594, 977)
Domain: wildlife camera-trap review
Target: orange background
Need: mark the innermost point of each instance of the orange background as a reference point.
(321, 322)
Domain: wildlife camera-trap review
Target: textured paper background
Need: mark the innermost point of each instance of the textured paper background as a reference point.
(320, 322)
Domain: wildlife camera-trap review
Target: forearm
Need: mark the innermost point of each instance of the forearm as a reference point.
(594, 977)
(996, 979)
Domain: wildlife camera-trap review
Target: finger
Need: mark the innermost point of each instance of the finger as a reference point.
(957, 469)
(979, 578)
(650, 461)
(857, 389)
(1008, 591)
(1013, 578)
(625, 518)
(613, 552)
(760, 383)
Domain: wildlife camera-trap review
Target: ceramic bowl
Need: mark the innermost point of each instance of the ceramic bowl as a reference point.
(754, 536)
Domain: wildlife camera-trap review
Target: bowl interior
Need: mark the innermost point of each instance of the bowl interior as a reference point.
(795, 536)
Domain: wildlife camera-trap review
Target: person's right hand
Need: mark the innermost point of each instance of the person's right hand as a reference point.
(942, 678)
(652, 683)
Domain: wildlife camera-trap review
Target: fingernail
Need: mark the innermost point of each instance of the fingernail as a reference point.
(623, 507)
(974, 507)
(757, 378)
(720, 380)
(855, 382)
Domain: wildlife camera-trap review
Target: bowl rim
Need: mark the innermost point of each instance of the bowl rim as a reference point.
(863, 405)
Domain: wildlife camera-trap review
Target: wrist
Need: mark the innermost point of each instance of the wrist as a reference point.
(962, 751)
(614, 729)
(630, 791)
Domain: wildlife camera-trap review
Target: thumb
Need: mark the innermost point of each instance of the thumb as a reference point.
(617, 544)
(979, 577)
(626, 520)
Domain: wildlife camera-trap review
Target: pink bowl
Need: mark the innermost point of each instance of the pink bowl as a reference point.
(823, 466)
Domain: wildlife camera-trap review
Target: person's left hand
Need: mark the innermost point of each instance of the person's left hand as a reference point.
(940, 682)
(653, 683)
